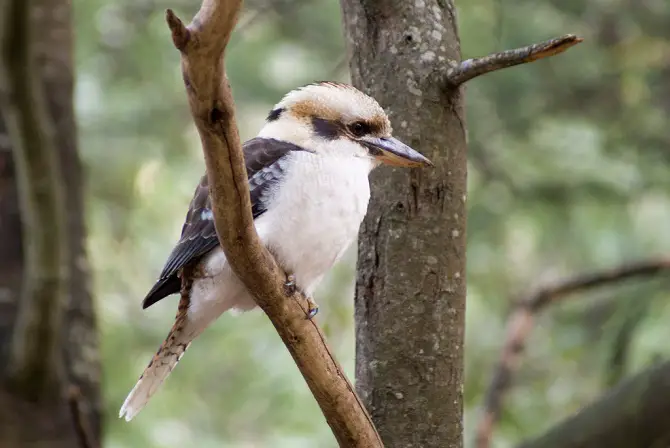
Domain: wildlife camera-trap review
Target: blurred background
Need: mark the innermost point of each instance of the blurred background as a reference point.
(569, 173)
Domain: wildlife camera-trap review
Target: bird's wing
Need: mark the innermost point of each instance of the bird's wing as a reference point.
(265, 162)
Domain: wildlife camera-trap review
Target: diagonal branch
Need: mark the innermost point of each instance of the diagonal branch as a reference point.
(202, 45)
(471, 68)
(520, 324)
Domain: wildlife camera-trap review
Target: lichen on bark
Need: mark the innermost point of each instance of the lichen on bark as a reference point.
(410, 289)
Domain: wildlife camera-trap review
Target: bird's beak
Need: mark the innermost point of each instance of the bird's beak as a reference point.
(392, 151)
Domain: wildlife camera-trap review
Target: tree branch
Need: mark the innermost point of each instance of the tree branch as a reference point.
(520, 323)
(35, 357)
(632, 415)
(471, 68)
(202, 45)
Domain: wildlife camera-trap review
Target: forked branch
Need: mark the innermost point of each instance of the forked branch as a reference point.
(202, 45)
(520, 324)
(471, 68)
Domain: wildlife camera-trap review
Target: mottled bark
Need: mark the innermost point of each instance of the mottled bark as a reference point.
(410, 289)
(632, 415)
(67, 413)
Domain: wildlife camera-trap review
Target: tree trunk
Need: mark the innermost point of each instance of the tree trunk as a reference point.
(72, 418)
(410, 289)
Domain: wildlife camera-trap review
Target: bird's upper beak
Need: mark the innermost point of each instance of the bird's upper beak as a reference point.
(394, 152)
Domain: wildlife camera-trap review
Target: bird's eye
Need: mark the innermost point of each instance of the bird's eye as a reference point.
(359, 129)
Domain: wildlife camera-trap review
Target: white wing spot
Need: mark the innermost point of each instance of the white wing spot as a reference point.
(207, 215)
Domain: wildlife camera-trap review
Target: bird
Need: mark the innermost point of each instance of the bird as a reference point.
(308, 173)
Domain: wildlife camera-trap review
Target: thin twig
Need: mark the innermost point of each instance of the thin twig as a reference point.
(202, 45)
(471, 68)
(520, 324)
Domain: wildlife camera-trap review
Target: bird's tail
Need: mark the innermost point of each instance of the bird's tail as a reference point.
(165, 359)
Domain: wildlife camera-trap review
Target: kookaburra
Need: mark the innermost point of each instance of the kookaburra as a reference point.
(308, 178)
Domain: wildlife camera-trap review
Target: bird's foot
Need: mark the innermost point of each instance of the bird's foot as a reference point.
(313, 308)
(290, 287)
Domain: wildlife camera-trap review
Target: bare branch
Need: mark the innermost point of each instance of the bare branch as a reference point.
(520, 324)
(632, 415)
(471, 68)
(202, 45)
(35, 358)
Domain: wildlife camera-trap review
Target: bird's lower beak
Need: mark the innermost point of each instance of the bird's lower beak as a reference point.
(392, 151)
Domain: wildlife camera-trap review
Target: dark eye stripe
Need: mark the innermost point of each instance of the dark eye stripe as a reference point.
(333, 129)
(328, 129)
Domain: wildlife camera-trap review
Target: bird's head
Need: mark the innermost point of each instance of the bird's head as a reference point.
(339, 119)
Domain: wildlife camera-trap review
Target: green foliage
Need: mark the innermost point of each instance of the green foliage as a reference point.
(569, 173)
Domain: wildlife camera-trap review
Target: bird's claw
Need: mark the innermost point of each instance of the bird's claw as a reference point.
(313, 308)
(289, 285)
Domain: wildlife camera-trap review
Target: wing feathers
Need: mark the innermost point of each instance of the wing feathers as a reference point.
(265, 163)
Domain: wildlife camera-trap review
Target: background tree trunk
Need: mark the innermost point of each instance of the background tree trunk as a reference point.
(73, 419)
(410, 290)
(632, 415)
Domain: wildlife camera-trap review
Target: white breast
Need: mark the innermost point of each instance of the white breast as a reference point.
(313, 216)
(315, 213)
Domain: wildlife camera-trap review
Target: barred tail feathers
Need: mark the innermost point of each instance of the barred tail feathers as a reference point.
(207, 298)
(161, 365)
